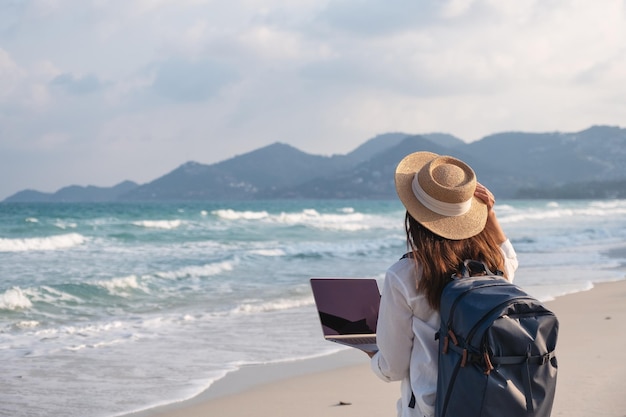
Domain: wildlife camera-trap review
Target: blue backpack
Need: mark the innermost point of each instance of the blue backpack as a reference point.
(496, 349)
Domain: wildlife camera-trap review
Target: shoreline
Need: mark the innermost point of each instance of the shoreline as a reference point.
(591, 333)
(250, 377)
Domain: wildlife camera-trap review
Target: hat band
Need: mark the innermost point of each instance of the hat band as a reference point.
(439, 207)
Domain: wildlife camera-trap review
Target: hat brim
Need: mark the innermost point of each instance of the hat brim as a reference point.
(450, 227)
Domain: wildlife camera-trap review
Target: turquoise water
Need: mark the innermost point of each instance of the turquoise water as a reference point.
(111, 308)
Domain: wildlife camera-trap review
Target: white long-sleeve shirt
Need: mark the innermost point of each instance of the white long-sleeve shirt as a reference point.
(406, 335)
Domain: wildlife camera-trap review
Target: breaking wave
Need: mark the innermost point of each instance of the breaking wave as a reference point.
(41, 243)
(159, 224)
(198, 271)
(229, 214)
(275, 305)
(347, 219)
(14, 299)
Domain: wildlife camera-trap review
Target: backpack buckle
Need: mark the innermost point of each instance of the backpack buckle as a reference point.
(488, 365)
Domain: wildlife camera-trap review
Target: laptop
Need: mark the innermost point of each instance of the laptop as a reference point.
(348, 310)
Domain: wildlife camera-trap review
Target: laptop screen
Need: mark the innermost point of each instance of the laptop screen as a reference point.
(347, 305)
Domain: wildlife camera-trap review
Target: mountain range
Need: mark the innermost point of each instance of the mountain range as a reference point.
(586, 164)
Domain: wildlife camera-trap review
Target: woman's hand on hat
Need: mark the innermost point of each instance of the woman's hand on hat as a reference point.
(492, 225)
(483, 194)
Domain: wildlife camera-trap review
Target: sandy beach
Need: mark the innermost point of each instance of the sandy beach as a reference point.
(590, 381)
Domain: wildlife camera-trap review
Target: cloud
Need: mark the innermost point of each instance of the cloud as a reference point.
(465, 48)
(23, 91)
(183, 80)
(9, 12)
(376, 17)
(10, 74)
(77, 84)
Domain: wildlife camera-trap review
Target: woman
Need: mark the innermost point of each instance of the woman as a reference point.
(449, 219)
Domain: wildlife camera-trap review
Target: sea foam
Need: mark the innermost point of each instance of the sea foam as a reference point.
(42, 243)
(351, 221)
(347, 219)
(121, 285)
(14, 299)
(198, 271)
(229, 214)
(275, 305)
(159, 224)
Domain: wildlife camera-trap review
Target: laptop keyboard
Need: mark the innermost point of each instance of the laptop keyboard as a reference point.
(357, 340)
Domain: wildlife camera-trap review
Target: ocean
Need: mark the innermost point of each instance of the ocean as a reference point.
(107, 309)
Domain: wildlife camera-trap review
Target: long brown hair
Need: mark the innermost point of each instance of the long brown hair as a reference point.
(440, 258)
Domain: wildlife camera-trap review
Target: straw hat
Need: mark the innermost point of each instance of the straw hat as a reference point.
(438, 191)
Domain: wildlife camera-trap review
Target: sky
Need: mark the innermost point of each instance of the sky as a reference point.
(95, 92)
